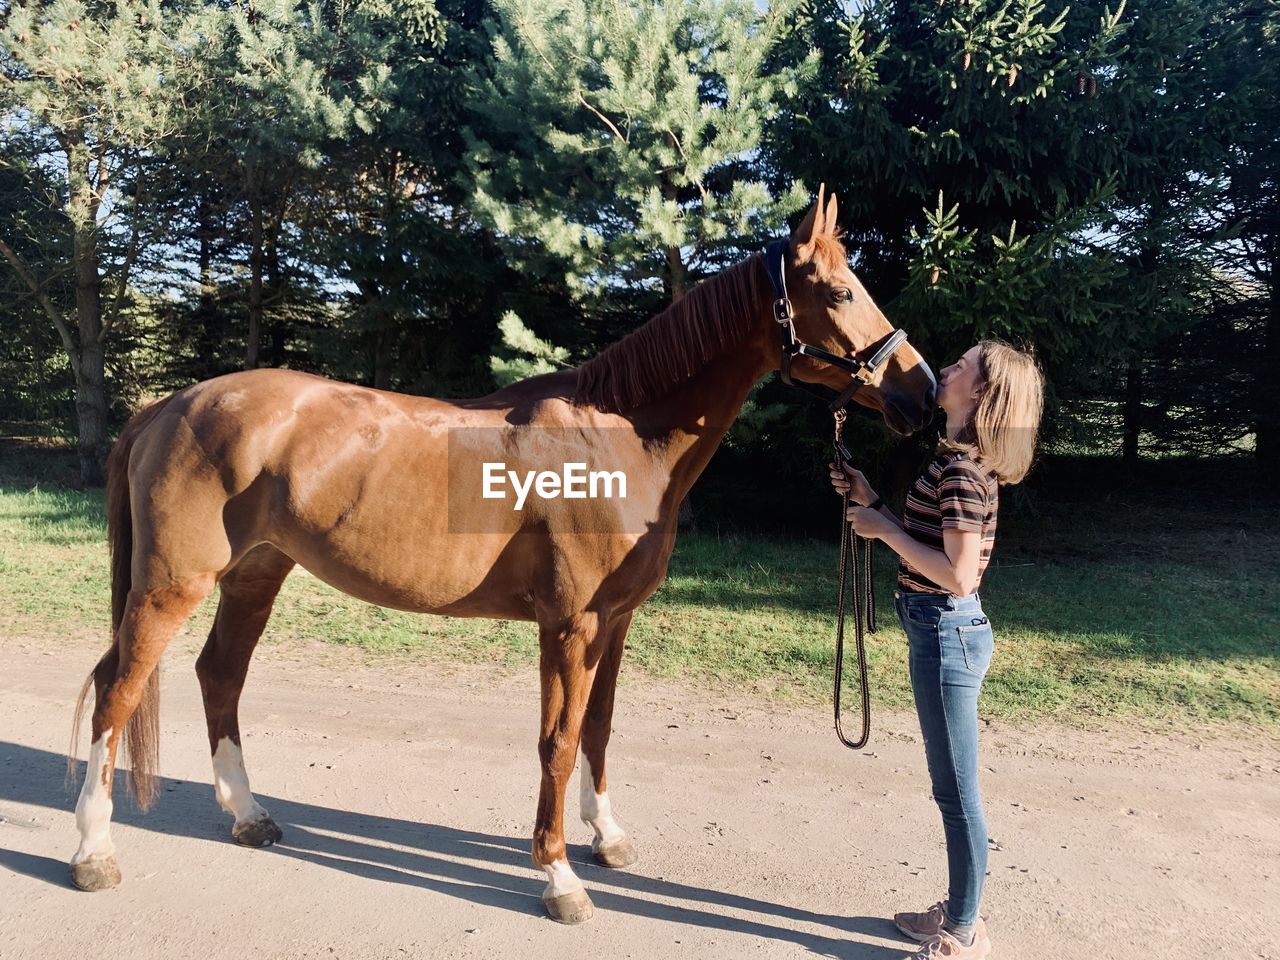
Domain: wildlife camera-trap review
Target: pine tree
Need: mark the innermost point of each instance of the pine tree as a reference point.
(34, 369)
(1252, 201)
(282, 100)
(1024, 169)
(92, 89)
(616, 142)
(389, 218)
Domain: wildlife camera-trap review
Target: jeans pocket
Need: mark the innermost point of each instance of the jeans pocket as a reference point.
(978, 643)
(922, 614)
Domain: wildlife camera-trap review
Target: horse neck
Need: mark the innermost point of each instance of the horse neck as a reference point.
(689, 421)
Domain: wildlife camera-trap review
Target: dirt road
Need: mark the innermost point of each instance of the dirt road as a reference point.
(406, 793)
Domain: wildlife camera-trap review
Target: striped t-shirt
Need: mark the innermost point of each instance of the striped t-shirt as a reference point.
(953, 491)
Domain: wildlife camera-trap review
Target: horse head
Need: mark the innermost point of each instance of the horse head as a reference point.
(833, 311)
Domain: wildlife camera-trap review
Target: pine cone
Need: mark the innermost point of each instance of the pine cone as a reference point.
(968, 59)
(1013, 73)
(1081, 83)
(934, 274)
(1093, 86)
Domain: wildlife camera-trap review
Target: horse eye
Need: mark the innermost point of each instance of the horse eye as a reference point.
(842, 295)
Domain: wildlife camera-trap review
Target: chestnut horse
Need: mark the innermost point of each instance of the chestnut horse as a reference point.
(232, 481)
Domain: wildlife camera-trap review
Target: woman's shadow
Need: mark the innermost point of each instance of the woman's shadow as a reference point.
(476, 867)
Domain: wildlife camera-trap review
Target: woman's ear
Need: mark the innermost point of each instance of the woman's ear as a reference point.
(979, 385)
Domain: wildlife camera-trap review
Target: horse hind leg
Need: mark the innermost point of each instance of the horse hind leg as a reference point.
(247, 594)
(611, 846)
(127, 696)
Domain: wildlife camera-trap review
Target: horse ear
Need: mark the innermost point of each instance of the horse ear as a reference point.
(813, 224)
(829, 220)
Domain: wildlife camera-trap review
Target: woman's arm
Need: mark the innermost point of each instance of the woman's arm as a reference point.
(954, 568)
(962, 502)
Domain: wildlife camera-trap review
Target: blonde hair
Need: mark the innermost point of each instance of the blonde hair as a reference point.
(1002, 432)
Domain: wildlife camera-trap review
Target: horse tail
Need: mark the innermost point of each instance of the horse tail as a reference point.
(142, 732)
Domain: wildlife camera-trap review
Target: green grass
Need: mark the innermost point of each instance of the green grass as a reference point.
(1135, 631)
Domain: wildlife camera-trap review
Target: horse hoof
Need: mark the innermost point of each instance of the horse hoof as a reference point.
(98, 874)
(620, 854)
(257, 833)
(569, 907)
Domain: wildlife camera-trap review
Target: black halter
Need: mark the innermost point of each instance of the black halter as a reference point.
(851, 547)
(861, 370)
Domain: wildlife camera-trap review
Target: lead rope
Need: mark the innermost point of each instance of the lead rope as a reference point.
(864, 603)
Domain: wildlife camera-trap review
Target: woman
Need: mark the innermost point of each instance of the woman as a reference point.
(993, 397)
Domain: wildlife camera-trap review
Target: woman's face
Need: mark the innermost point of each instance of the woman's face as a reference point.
(960, 385)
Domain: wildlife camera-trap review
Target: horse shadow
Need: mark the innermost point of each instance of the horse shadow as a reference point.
(469, 865)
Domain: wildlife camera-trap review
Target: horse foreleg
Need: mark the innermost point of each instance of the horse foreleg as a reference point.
(611, 846)
(570, 650)
(248, 592)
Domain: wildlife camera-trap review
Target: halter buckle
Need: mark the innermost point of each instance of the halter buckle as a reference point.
(782, 310)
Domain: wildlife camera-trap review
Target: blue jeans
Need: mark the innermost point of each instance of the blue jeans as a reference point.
(951, 644)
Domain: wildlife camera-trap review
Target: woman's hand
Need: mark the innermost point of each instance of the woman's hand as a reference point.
(870, 524)
(846, 478)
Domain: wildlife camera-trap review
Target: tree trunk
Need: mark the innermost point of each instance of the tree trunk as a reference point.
(91, 411)
(1132, 413)
(385, 330)
(677, 273)
(686, 521)
(90, 366)
(1268, 425)
(677, 287)
(209, 336)
(1267, 430)
(383, 340)
(256, 258)
(277, 336)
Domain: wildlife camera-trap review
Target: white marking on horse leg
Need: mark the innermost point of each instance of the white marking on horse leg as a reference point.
(231, 784)
(560, 879)
(93, 810)
(596, 810)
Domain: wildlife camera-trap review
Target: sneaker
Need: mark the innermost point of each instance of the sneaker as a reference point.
(922, 926)
(944, 946)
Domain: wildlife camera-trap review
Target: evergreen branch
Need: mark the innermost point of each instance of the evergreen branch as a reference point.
(679, 146)
(100, 182)
(42, 298)
(607, 122)
(131, 254)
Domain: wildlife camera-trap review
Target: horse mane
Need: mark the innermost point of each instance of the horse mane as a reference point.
(675, 344)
